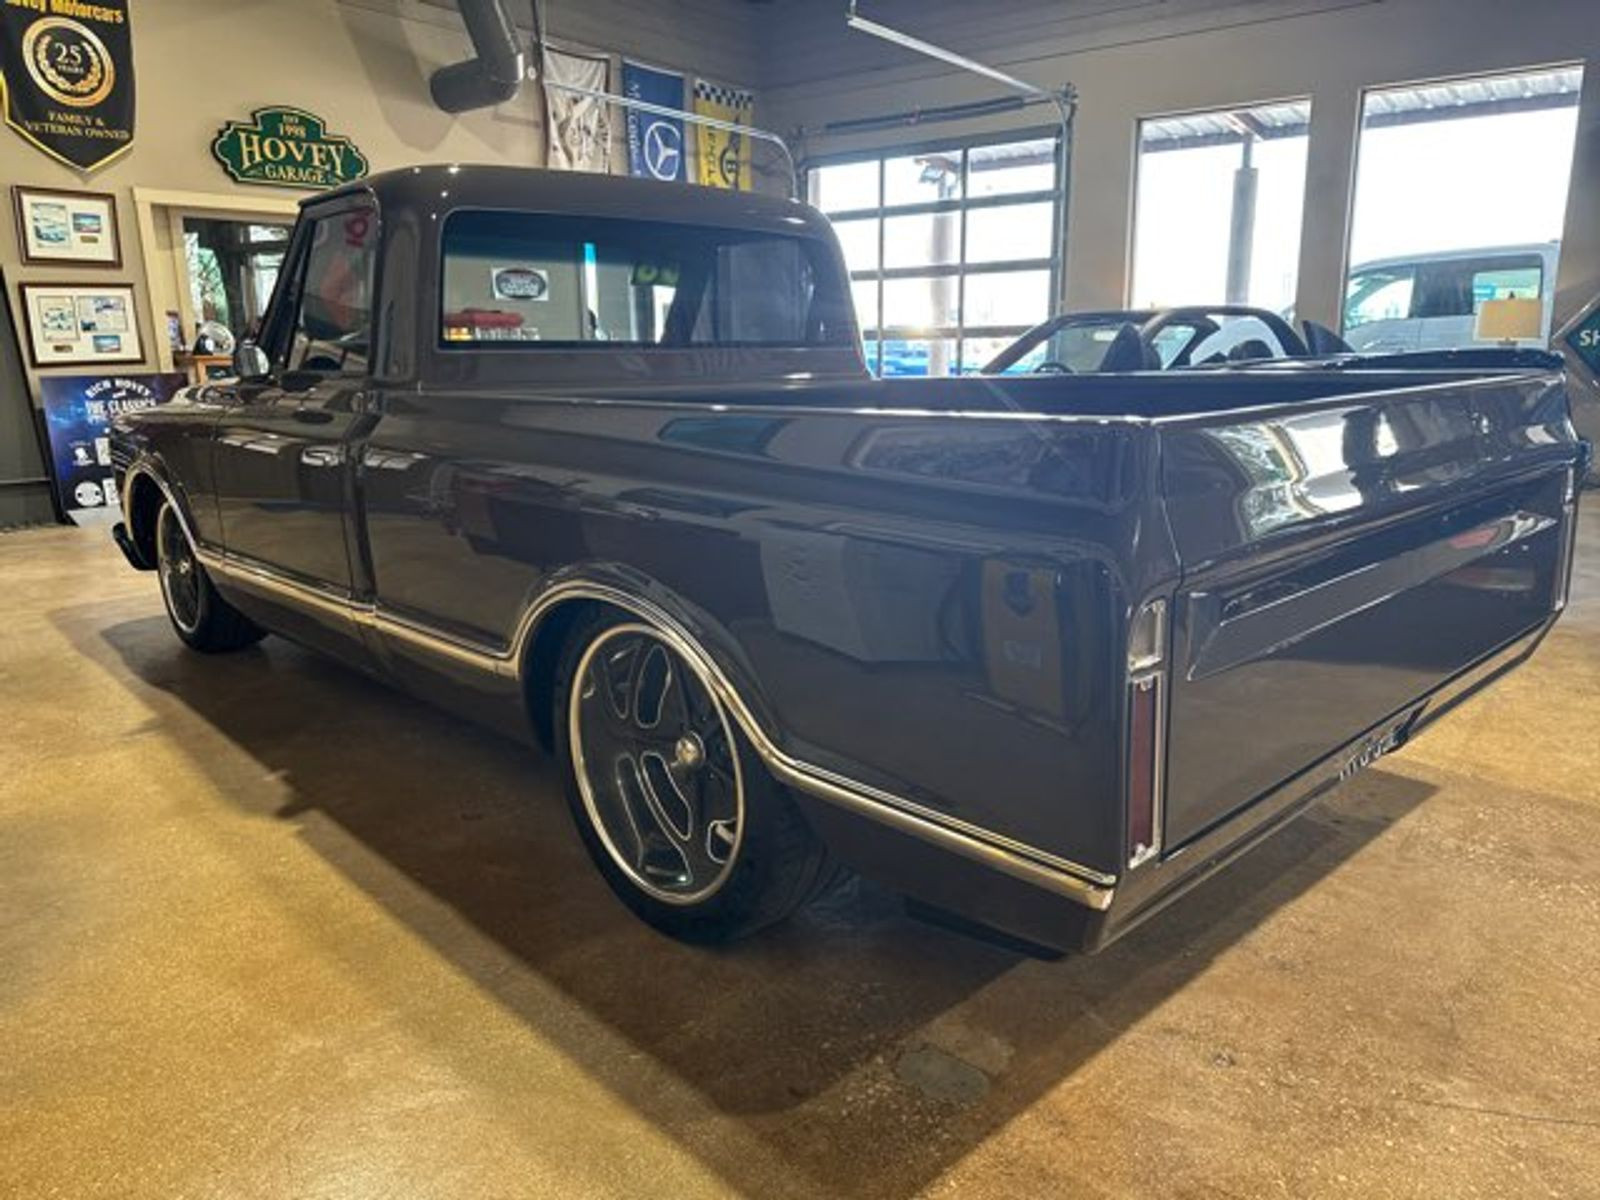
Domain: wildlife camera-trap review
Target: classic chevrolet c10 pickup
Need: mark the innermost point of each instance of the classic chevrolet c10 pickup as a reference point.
(596, 460)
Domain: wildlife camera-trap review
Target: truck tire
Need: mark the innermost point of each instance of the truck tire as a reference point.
(673, 804)
(202, 618)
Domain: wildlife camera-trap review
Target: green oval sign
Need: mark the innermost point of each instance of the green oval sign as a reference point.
(287, 147)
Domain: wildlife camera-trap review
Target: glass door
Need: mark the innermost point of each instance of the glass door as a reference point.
(232, 266)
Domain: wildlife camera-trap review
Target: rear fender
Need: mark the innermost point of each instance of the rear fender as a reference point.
(716, 653)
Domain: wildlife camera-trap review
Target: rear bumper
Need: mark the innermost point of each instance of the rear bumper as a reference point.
(1009, 904)
(1146, 892)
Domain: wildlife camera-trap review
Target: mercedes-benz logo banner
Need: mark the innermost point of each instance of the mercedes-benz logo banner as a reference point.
(66, 71)
(655, 141)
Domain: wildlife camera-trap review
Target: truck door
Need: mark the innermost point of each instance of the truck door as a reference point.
(281, 448)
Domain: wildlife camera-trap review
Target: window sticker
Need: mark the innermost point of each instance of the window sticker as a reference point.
(655, 274)
(519, 283)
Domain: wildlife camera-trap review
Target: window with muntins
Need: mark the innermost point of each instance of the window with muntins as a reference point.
(952, 248)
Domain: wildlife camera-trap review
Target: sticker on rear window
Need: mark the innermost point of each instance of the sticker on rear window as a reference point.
(519, 283)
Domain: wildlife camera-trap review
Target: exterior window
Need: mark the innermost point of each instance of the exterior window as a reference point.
(511, 279)
(1435, 232)
(1378, 295)
(952, 249)
(1218, 207)
(333, 321)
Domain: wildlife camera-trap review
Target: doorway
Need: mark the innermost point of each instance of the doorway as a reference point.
(210, 262)
(231, 266)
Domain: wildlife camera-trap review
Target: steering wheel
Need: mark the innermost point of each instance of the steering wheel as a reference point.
(1051, 367)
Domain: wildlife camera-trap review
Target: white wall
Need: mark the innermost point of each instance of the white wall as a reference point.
(363, 66)
(1199, 54)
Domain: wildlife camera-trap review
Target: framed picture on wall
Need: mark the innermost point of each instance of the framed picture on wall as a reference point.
(70, 324)
(67, 227)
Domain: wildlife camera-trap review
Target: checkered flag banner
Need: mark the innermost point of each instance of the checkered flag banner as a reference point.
(722, 157)
(723, 95)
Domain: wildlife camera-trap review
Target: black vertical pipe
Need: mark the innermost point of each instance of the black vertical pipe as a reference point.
(495, 75)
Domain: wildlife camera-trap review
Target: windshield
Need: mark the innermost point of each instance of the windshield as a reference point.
(1078, 345)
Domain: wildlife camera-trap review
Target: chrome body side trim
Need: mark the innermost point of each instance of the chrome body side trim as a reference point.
(1025, 862)
(1074, 881)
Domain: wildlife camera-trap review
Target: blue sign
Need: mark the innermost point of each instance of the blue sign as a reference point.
(78, 411)
(1585, 340)
(655, 142)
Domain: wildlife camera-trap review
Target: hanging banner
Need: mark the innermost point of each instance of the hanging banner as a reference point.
(577, 128)
(722, 157)
(655, 142)
(78, 411)
(66, 77)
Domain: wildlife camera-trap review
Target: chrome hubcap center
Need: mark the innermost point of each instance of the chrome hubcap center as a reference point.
(688, 752)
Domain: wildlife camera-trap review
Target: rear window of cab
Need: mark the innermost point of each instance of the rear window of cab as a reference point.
(519, 280)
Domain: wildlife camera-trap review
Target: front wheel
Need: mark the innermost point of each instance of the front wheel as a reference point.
(675, 808)
(201, 617)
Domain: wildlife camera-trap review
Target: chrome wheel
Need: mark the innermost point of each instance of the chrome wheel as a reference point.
(656, 765)
(179, 572)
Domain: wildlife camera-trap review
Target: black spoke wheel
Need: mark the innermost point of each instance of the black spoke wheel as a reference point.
(673, 803)
(203, 619)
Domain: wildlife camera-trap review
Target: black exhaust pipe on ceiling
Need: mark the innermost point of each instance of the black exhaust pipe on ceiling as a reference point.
(495, 76)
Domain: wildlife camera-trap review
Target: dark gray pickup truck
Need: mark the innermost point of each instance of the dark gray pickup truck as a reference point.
(596, 460)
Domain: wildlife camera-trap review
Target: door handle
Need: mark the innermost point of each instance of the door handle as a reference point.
(312, 416)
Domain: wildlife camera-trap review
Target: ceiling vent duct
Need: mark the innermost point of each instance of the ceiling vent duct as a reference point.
(491, 78)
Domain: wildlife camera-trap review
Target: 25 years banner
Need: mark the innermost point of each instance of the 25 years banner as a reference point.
(66, 77)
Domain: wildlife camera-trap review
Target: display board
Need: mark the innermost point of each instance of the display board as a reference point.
(78, 411)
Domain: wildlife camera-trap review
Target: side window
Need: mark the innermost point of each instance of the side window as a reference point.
(1507, 282)
(332, 329)
(1379, 296)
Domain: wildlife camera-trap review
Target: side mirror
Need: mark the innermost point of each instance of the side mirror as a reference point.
(250, 360)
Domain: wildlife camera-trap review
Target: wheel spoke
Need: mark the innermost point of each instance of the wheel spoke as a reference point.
(653, 752)
(178, 570)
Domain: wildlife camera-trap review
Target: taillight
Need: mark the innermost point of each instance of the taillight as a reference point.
(1569, 537)
(1147, 643)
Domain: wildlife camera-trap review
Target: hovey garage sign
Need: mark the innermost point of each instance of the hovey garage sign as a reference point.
(287, 147)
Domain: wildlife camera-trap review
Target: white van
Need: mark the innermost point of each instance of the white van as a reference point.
(1431, 301)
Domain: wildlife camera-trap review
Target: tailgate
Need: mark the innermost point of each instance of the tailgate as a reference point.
(1343, 558)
